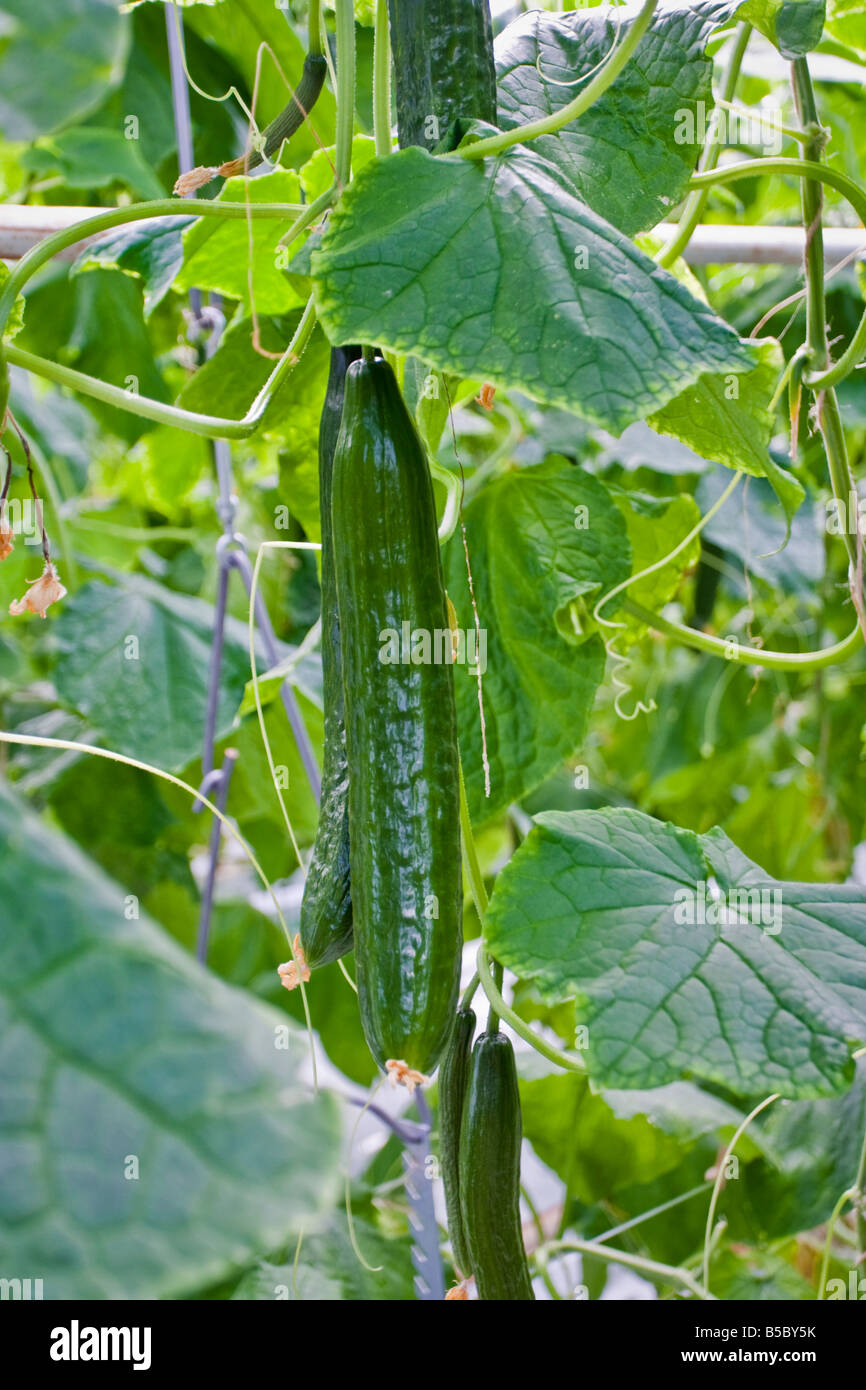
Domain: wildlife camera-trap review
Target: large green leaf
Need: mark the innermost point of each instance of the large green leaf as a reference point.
(595, 904)
(242, 259)
(134, 659)
(727, 419)
(812, 1155)
(90, 157)
(544, 543)
(600, 1143)
(499, 271)
(152, 251)
(57, 62)
(626, 156)
(155, 1137)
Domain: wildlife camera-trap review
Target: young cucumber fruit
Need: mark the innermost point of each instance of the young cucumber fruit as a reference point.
(443, 65)
(453, 1075)
(490, 1134)
(401, 726)
(326, 910)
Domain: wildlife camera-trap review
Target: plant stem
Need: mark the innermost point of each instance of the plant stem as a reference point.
(213, 427)
(648, 1215)
(548, 125)
(786, 164)
(314, 28)
(569, 1061)
(748, 656)
(717, 1185)
(345, 90)
(697, 201)
(470, 857)
(667, 1273)
(382, 81)
(118, 217)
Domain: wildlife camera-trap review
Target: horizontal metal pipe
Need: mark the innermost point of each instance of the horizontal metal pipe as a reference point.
(24, 227)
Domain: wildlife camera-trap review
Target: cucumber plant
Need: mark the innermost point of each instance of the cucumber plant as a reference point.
(584, 644)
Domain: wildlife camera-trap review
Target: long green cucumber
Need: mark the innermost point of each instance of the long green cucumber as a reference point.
(443, 63)
(490, 1135)
(453, 1075)
(401, 725)
(326, 910)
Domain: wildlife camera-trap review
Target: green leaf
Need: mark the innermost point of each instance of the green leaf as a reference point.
(758, 1276)
(57, 62)
(499, 272)
(606, 905)
(655, 526)
(152, 251)
(330, 1270)
(794, 26)
(812, 1155)
(727, 419)
(126, 1052)
(536, 577)
(134, 659)
(221, 255)
(629, 156)
(601, 1143)
(237, 372)
(87, 157)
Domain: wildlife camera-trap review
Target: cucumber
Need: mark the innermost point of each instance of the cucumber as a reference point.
(443, 63)
(401, 726)
(490, 1135)
(326, 910)
(290, 119)
(453, 1073)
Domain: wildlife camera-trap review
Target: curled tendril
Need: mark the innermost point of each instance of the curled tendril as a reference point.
(618, 658)
(620, 663)
(576, 81)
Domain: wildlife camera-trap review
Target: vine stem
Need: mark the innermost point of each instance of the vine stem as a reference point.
(549, 125)
(669, 1273)
(697, 200)
(382, 81)
(569, 1061)
(748, 656)
(717, 1185)
(211, 426)
(827, 406)
(37, 741)
(58, 241)
(345, 13)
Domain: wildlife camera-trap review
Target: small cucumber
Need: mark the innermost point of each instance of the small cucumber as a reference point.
(290, 119)
(401, 725)
(326, 910)
(453, 1074)
(490, 1135)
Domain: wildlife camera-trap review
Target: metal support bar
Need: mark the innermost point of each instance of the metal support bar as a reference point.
(22, 228)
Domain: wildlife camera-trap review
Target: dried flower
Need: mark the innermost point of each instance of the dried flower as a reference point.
(292, 972)
(486, 397)
(7, 542)
(401, 1074)
(458, 1291)
(194, 179)
(41, 595)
